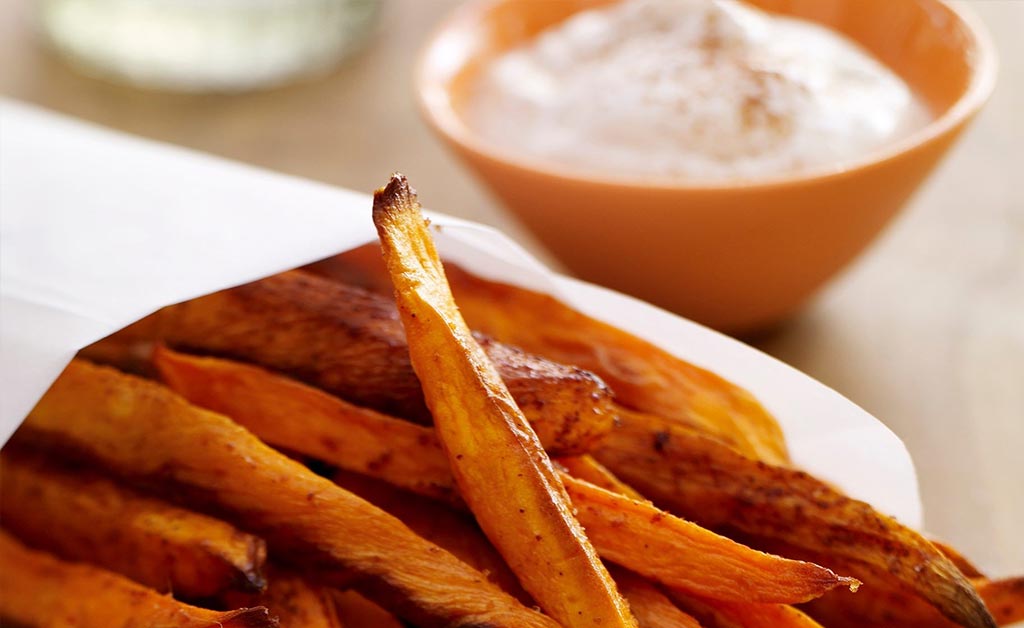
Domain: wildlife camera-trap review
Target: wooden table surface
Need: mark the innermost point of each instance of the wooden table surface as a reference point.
(926, 331)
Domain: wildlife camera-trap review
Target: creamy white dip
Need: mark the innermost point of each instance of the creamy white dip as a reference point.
(691, 89)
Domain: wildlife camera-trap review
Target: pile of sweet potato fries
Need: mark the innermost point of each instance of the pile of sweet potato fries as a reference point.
(344, 446)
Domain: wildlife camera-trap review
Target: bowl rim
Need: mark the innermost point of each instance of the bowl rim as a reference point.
(436, 108)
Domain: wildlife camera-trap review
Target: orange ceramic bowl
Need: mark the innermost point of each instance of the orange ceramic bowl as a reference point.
(739, 255)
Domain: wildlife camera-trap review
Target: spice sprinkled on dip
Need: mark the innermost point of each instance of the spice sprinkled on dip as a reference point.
(693, 90)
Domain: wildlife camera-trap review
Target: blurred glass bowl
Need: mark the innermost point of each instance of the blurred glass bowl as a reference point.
(205, 45)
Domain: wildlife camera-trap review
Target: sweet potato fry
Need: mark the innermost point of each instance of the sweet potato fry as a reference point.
(884, 603)
(293, 415)
(452, 529)
(623, 529)
(884, 600)
(141, 429)
(690, 556)
(350, 342)
(642, 375)
(877, 607)
(295, 601)
(749, 590)
(496, 458)
(355, 611)
(653, 609)
(82, 516)
(700, 478)
(40, 591)
(717, 614)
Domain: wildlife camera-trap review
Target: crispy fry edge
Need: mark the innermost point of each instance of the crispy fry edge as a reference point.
(496, 458)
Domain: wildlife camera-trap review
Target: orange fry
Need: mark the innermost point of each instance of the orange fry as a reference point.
(82, 516)
(704, 480)
(496, 458)
(287, 413)
(37, 589)
(623, 530)
(884, 601)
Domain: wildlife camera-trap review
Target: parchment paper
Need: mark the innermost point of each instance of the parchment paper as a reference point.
(98, 229)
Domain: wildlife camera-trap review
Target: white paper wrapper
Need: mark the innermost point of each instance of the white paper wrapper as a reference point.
(99, 229)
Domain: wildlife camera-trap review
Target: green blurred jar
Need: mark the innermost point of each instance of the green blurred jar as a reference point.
(205, 45)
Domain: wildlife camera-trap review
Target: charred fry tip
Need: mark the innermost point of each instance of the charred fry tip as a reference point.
(970, 611)
(963, 604)
(396, 195)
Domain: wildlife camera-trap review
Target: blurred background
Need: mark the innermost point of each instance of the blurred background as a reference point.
(925, 331)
